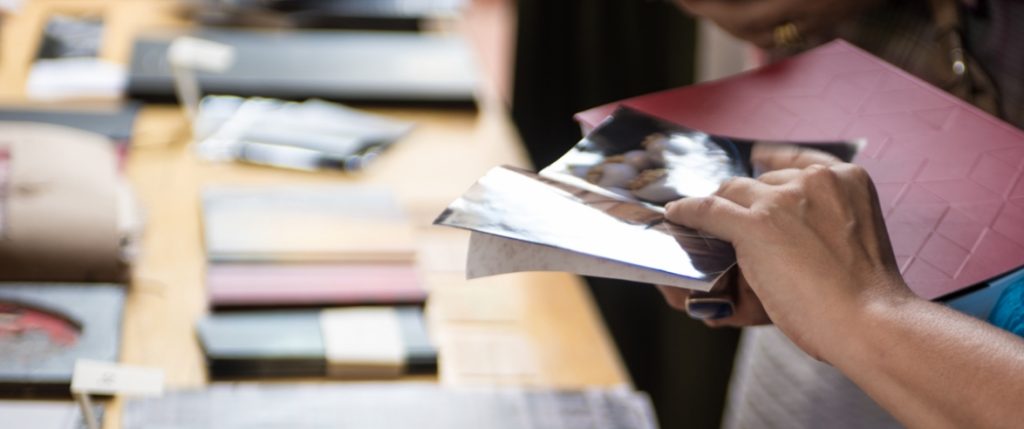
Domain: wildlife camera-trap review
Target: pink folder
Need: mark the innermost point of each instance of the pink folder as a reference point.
(950, 176)
(307, 284)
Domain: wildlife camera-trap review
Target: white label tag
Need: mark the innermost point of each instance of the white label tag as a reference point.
(199, 54)
(104, 378)
(362, 341)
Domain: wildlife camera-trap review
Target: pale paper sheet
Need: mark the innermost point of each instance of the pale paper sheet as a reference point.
(490, 255)
(362, 341)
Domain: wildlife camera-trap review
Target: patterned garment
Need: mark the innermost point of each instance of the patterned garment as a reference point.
(776, 385)
(995, 36)
(902, 32)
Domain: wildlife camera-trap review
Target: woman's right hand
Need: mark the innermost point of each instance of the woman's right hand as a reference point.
(810, 241)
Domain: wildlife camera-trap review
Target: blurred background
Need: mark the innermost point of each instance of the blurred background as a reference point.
(313, 91)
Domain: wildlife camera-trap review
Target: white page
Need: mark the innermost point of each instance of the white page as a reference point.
(491, 255)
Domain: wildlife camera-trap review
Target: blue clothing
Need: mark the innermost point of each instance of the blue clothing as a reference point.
(1009, 310)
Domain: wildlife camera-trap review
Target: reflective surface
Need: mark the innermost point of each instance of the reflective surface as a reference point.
(655, 161)
(521, 205)
(605, 197)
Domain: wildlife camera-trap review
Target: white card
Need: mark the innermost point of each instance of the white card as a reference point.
(362, 342)
(105, 378)
(200, 54)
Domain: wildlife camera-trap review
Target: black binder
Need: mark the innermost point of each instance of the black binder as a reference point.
(346, 66)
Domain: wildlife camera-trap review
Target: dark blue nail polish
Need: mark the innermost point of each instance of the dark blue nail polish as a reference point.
(709, 308)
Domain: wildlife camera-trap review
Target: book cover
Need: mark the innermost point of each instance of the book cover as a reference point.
(236, 285)
(45, 328)
(351, 342)
(305, 224)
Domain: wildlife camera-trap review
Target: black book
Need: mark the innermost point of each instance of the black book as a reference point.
(347, 66)
(357, 342)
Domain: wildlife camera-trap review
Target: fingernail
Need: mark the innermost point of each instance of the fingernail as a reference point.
(709, 308)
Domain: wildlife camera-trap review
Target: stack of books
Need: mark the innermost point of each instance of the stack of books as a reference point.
(308, 246)
(345, 255)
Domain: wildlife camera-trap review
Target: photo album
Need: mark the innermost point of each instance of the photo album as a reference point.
(599, 209)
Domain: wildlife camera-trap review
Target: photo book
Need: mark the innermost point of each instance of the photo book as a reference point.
(948, 177)
(948, 174)
(46, 327)
(599, 209)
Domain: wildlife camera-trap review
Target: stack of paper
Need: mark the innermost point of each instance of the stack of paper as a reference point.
(311, 135)
(312, 246)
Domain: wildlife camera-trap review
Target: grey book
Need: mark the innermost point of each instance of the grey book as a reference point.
(115, 122)
(44, 414)
(389, 405)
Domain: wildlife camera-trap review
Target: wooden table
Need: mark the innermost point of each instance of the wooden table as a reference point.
(536, 329)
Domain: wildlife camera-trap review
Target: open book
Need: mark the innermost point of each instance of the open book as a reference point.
(599, 209)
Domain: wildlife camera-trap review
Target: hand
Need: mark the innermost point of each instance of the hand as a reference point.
(756, 20)
(810, 241)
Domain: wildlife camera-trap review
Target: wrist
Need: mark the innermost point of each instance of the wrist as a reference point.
(863, 318)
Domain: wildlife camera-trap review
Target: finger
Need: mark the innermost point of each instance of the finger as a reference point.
(749, 311)
(741, 190)
(774, 156)
(714, 215)
(674, 296)
(780, 177)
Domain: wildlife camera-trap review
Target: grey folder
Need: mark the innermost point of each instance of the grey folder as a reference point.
(116, 122)
(350, 66)
(389, 405)
(44, 414)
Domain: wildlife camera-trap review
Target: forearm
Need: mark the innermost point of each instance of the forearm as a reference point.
(933, 367)
(811, 242)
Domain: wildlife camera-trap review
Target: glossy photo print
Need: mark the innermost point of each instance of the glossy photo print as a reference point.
(648, 159)
(599, 209)
(519, 205)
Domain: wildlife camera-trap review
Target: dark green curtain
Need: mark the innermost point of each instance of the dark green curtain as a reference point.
(576, 54)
